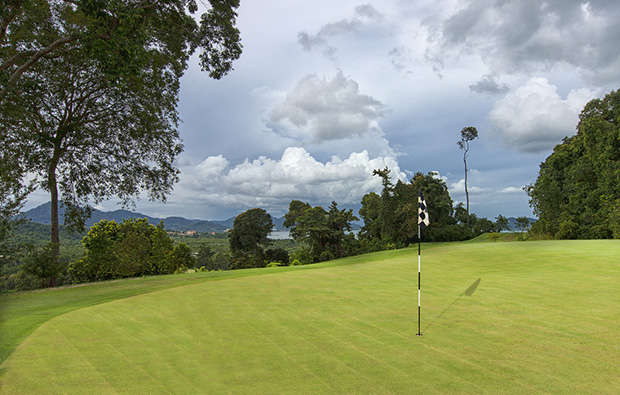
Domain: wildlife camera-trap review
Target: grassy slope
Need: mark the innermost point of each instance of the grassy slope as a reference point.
(21, 314)
(543, 319)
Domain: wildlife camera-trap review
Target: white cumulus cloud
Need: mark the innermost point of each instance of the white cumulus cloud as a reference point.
(273, 183)
(534, 117)
(511, 190)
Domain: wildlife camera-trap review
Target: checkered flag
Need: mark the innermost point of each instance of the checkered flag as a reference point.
(422, 212)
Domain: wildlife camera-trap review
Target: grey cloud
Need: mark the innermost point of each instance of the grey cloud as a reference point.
(363, 15)
(319, 109)
(400, 58)
(367, 11)
(514, 36)
(489, 86)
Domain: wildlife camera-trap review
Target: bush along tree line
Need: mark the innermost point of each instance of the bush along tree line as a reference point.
(129, 249)
(577, 192)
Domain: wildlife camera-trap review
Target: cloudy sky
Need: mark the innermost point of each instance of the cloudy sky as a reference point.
(327, 91)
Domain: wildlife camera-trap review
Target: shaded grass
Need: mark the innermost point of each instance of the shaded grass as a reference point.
(544, 318)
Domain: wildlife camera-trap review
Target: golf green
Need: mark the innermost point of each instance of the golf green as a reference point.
(521, 317)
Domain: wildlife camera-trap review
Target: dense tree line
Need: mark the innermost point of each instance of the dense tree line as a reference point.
(577, 192)
(390, 219)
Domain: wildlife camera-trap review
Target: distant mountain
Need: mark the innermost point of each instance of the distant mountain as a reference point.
(41, 215)
(279, 223)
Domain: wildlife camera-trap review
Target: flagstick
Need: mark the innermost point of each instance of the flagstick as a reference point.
(422, 219)
(419, 275)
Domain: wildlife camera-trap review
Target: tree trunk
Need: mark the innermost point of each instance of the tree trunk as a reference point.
(55, 235)
(466, 192)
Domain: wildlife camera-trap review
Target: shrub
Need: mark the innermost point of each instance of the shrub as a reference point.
(274, 264)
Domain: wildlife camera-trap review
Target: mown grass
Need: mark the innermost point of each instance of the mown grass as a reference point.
(544, 318)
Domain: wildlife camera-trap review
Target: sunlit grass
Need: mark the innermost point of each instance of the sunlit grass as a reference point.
(543, 318)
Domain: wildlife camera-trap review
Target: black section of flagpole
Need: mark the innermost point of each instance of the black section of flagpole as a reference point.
(419, 277)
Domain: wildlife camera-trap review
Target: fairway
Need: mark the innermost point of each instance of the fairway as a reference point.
(544, 317)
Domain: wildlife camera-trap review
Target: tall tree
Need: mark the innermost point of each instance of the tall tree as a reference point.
(577, 191)
(89, 92)
(339, 223)
(371, 215)
(86, 138)
(323, 232)
(387, 204)
(468, 134)
(501, 223)
(440, 206)
(248, 236)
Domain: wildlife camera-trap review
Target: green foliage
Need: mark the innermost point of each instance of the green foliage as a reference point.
(577, 190)
(324, 233)
(494, 236)
(122, 37)
(523, 224)
(12, 198)
(614, 219)
(221, 261)
(88, 94)
(391, 219)
(440, 206)
(19, 281)
(501, 223)
(204, 257)
(182, 257)
(133, 248)
(371, 215)
(102, 257)
(41, 263)
(277, 255)
(301, 256)
(248, 236)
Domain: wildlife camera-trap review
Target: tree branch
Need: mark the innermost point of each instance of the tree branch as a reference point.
(5, 24)
(38, 55)
(15, 59)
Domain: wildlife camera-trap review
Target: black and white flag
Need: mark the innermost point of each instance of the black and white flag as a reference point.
(422, 212)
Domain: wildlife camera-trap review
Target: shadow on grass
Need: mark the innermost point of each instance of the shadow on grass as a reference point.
(469, 292)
